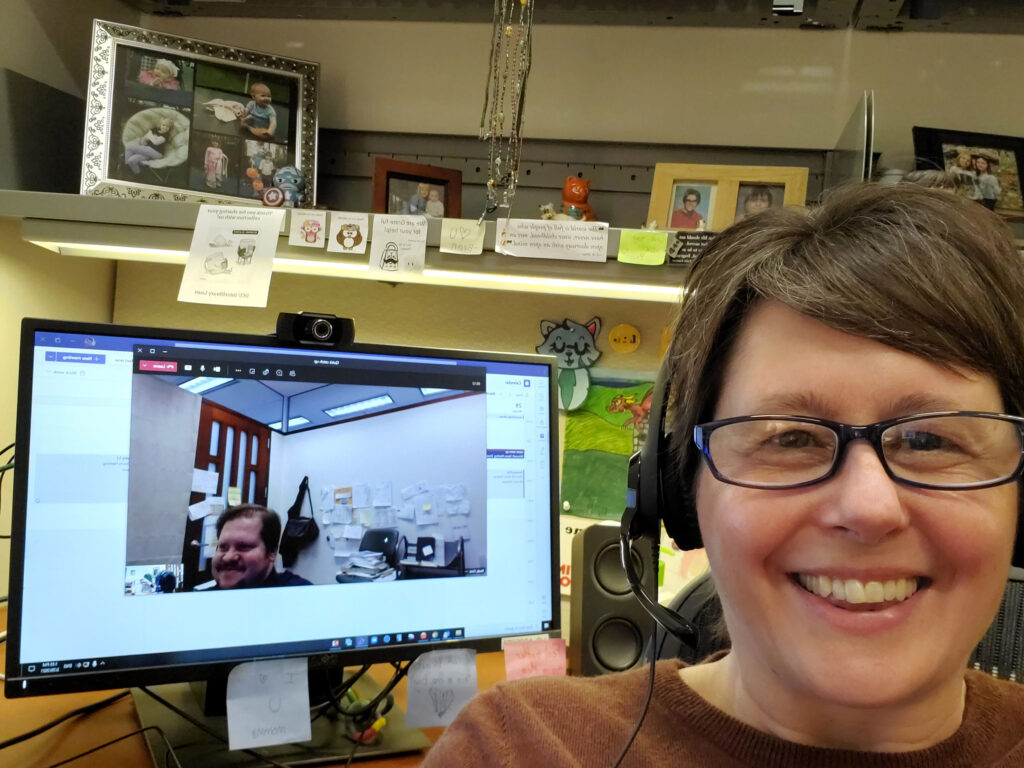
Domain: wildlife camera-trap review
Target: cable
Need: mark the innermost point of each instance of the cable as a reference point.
(104, 745)
(202, 726)
(355, 746)
(647, 700)
(5, 449)
(88, 709)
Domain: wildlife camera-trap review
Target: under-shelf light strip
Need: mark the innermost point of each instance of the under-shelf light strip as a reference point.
(556, 285)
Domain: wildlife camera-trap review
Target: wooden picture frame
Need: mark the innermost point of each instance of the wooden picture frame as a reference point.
(959, 154)
(720, 191)
(170, 118)
(402, 187)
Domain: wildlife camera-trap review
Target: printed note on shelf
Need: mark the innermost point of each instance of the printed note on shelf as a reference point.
(547, 239)
(231, 257)
(204, 480)
(349, 232)
(308, 228)
(464, 236)
(642, 246)
(268, 703)
(440, 684)
(530, 658)
(399, 244)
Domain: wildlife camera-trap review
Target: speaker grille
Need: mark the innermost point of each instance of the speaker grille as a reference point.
(608, 569)
(617, 644)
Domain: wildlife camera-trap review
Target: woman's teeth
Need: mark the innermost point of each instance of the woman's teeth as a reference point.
(854, 591)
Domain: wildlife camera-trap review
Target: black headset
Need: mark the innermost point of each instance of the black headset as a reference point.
(656, 493)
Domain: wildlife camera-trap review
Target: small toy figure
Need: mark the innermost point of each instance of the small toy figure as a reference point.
(575, 192)
(292, 184)
(164, 74)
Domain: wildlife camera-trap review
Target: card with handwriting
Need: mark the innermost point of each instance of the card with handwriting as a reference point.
(268, 703)
(440, 684)
(464, 236)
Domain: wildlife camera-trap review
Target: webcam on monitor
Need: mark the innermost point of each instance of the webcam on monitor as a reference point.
(315, 329)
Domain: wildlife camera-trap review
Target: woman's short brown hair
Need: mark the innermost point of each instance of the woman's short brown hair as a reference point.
(920, 270)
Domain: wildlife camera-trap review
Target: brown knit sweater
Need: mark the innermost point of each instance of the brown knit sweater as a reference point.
(554, 722)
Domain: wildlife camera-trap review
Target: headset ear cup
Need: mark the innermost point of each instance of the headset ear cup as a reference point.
(664, 497)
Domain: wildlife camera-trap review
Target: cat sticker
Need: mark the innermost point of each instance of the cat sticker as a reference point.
(575, 346)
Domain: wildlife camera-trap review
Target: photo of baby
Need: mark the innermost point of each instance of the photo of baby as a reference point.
(260, 117)
(163, 74)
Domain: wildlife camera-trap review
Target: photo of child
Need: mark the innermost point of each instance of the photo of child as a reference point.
(754, 198)
(260, 118)
(148, 147)
(215, 164)
(692, 204)
(262, 159)
(164, 74)
(434, 205)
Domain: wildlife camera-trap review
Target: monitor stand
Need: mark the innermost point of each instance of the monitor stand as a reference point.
(201, 750)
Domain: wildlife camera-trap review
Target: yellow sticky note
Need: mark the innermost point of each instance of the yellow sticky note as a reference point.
(640, 246)
(234, 495)
(462, 236)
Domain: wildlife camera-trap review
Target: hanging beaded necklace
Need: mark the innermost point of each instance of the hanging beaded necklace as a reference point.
(501, 123)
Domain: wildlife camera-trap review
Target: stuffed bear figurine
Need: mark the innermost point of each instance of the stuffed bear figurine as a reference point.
(574, 199)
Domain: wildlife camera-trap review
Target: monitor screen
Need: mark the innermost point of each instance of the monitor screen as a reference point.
(414, 493)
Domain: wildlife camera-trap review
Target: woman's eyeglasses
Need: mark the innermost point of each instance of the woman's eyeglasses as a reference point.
(951, 450)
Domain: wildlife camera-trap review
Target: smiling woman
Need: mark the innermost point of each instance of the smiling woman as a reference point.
(846, 390)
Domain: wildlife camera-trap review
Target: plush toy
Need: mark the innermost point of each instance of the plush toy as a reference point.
(575, 192)
(292, 184)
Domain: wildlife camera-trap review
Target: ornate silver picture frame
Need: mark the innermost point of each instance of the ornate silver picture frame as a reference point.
(169, 118)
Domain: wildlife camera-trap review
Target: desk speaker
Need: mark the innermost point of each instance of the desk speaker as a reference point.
(608, 627)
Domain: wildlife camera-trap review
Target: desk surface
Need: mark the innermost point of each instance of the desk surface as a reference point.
(80, 734)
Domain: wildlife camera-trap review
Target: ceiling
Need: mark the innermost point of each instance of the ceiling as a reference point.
(979, 16)
(263, 401)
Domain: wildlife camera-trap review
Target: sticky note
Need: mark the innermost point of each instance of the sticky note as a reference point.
(641, 246)
(464, 236)
(530, 658)
(234, 495)
(440, 684)
(198, 510)
(268, 703)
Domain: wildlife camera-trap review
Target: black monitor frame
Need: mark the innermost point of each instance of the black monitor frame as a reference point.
(151, 674)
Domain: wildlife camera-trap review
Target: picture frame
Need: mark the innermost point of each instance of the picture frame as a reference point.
(710, 197)
(403, 187)
(171, 118)
(985, 167)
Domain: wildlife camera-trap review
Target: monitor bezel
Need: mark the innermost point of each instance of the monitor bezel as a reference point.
(189, 671)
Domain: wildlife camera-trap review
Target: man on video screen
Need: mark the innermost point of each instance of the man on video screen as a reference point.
(247, 542)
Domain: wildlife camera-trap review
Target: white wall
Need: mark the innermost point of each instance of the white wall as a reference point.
(746, 87)
(49, 40)
(443, 443)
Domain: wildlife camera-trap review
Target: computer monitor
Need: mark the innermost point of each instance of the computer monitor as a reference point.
(132, 441)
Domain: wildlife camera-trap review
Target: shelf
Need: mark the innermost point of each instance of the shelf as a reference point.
(160, 232)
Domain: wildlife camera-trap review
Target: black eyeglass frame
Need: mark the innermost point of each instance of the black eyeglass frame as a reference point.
(872, 433)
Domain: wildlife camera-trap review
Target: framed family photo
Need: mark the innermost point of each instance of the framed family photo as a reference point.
(985, 167)
(169, 118)
(403, 187)
(711, 197)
